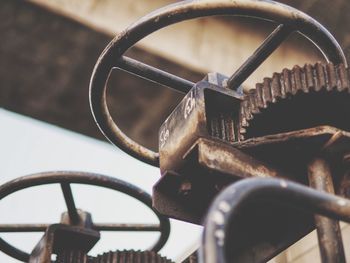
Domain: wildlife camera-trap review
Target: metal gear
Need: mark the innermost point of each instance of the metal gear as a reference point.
(124, 256)
(130, 256)
(304, 97)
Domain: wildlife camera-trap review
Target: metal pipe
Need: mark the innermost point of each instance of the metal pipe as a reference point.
(69, 199)
(328, 230)
(269, 45)
(228, 205)
(154, 74)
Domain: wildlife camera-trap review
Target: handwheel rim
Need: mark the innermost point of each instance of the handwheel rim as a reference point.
(186, 10)
(85, 178)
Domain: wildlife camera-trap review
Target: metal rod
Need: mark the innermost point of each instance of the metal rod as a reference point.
(10, 228)
(155, 75)
(261, 53)
(126, 227)
(328, 230)
(68, 197)
(228, 206)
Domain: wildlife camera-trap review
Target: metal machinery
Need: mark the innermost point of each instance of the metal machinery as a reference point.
(241, 163)
(70, 240)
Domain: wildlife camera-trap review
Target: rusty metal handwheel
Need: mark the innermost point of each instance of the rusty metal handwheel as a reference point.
(65, 179)
(288, 19)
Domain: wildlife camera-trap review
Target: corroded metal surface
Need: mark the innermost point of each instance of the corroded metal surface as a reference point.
(61, 237)
(328, 230)
(300, 98)
(178, 12)
(71, 256)
(129, 256)
(209, 165)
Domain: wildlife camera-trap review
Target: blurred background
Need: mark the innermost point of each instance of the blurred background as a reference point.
(48, 49)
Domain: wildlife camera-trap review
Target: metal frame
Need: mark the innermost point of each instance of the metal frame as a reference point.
(65, 178)
(226, 208)
(288, 19)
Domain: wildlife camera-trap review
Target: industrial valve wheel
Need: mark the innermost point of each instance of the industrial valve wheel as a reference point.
(206, 133)
(289, 20)
(293, 125)
(76, 234)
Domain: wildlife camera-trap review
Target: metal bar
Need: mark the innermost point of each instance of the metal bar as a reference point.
(261, 53)
(68, 197)
(10, 228)
(155, 75)
(228, 205)
(126, 227)
(328, 230)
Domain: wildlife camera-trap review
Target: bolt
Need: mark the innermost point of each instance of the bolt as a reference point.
(185, 188)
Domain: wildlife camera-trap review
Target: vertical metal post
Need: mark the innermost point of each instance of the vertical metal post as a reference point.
(328, 230)
(344, 189)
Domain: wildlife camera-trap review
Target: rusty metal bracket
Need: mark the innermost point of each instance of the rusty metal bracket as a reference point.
(189, 184)
(60, 237)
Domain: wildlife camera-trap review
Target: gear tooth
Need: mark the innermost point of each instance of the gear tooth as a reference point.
(303, 80)
(342, 78)
(296, 80)
(259, 99)
(320, 77)
(286, 86)
(309, 77)
(276, 87)
(331, 77)
(246, 110)
(252, 102)
(243, 123)
(243, 115)
(343, 75)
(266, 92)
(267, 83)
(137, 257)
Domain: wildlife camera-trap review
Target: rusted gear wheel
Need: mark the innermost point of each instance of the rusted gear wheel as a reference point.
(130, 256)
(119, 256)
(300, 98)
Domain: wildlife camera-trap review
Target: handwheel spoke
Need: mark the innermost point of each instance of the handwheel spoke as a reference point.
(127, 227)
(270, 44)
(154, 74)
(10, 228)
(69, 199)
